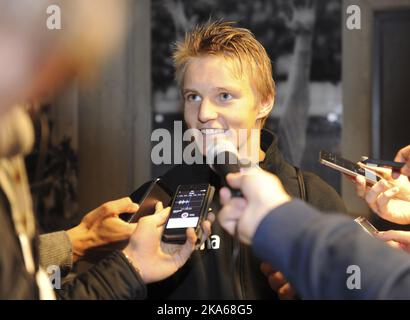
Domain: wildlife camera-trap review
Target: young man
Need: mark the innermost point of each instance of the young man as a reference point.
(225, 77)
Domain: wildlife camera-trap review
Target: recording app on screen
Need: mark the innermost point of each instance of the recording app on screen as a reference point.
(187, 208)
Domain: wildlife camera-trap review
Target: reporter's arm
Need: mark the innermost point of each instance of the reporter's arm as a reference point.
(55, 249)
(114, 277)
(314, 252)
(101, 227)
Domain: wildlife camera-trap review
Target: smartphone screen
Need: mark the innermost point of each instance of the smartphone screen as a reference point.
(189, 208)
(188, 203)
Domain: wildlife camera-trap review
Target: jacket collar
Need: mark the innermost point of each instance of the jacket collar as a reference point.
(274, 161)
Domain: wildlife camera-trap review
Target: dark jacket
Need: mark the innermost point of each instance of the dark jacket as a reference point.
(208, 273)
(112, 278)
(316, 251)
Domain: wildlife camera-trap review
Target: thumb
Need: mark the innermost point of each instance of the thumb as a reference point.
(160, 217)
(234, 180)
(158, 207)
(395, 235)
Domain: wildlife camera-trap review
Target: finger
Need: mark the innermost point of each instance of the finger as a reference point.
(211, 217)
(374, 192)
(276, 280)
(267, 269)
(394, 244)
(234, 180)
(360, 186)
(395, 173)
(286, 292)
(350, 178)
(206, 230)
(158, 207)
(233, 209)
(110, 209)
(406, 170)
(384, 199)
(123, 205)
(229, 214)
(224, 195)
(403, 155)
(191, 236)
(395, 235)
(228, 224)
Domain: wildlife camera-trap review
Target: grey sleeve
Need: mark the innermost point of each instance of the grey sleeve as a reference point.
(55, 249)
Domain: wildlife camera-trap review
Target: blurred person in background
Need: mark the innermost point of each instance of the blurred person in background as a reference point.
(36, 62)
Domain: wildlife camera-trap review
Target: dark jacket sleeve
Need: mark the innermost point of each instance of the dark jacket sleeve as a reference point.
(315, 252)
(112, 278)
(321, 195)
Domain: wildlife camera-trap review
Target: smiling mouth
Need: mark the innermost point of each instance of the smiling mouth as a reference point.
(207, 132)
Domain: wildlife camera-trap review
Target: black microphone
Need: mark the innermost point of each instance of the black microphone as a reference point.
(223, 159)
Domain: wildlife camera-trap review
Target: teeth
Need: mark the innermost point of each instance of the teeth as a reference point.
(212, 131)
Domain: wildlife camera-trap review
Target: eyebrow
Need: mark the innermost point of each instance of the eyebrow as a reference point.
(227, 89)
(184, 91)
(231, 89)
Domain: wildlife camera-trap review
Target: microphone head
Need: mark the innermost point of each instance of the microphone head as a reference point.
(222, 157)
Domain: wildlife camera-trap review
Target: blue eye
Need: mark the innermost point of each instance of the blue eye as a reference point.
(226, 96)
(193, 97)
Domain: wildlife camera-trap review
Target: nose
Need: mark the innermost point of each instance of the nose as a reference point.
(207, 111)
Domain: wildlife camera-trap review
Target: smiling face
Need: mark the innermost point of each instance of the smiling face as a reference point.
(216, 100)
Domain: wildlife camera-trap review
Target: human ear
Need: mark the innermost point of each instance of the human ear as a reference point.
(265, 108)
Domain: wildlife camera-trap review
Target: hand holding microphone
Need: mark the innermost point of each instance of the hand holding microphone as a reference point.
(262, 192)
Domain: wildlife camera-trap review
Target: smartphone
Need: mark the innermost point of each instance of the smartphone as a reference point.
(346, 166)
(383, 163)
(366, 225)
(189, 208)
(157, 191)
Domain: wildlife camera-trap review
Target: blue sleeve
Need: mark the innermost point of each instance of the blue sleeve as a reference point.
(330, 256)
